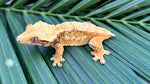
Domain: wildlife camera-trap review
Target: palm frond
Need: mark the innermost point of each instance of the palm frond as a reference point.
(127, 63)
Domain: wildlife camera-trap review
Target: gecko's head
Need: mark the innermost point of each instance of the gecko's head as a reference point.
(37, 34)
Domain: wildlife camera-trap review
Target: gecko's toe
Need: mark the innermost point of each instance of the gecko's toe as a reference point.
(52, 59)
(63, 60)
(93, 53)
(102, 61)
(54, 64)
(59, 65)
(95, 59)
(106, 52)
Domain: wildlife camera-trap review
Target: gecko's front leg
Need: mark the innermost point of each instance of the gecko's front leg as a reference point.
(57, 58)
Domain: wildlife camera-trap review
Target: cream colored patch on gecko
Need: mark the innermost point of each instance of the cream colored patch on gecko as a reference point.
(67, 37)
(78, 38)
(83, 38)
(72, 37)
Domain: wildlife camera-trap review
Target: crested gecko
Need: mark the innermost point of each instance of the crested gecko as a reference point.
(66, 34)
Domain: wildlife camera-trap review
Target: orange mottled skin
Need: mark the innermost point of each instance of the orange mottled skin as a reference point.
(67, 34)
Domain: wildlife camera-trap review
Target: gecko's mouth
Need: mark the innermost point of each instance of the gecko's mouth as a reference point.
(30, 43)
(43, 42)
(38, 42)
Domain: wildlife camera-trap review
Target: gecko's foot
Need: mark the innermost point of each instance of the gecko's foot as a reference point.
(98, 56)
(106, 52)
(57, 61)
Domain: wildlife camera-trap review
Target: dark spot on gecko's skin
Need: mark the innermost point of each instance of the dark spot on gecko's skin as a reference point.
(55, 42)
(92, 46)
(43, 42)
(34, 39)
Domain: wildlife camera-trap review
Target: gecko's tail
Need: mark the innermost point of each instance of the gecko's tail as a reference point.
(112, 35)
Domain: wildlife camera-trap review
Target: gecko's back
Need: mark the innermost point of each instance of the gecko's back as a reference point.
(77, 33)
(79, 26)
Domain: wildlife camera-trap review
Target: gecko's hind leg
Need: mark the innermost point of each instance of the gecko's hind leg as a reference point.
(57, 58)
(96, 44)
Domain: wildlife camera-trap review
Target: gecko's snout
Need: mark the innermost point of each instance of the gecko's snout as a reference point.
(18, 39)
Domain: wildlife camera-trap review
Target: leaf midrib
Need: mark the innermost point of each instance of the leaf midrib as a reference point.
(73, 16)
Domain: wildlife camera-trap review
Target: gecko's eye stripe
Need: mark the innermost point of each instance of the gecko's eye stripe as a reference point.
(34, 39)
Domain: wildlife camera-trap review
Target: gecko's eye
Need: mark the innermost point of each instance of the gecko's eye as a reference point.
(34, 39)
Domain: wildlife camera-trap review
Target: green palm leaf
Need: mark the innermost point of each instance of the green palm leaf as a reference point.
(129, 61)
